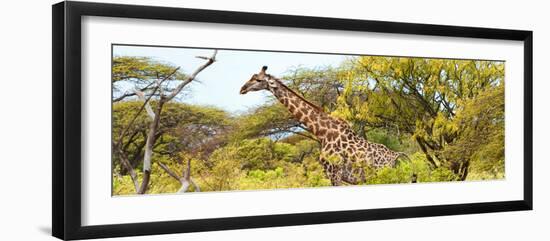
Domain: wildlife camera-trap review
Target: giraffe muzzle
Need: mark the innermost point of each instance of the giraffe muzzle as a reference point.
(243, 90)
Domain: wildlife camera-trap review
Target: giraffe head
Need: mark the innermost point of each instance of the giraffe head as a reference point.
(259, 81)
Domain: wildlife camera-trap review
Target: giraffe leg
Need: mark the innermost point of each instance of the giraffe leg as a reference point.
(333, 172)
(353, 174)
(337, 175)
(336, 180)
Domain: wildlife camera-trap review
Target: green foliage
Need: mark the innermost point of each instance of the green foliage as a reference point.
(267, 160)
(392, 140)
(448, 113)
(320, 85)
(272, 119)
(404, 171)
(420, 97)
(253, 153)
(141, 73)
(481, 138)
(183, 128)
(143, 68)
(161, 182)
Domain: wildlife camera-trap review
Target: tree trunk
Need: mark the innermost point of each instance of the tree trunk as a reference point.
(463, 171)
(460, 168)
(151, 139)
(155, 116)
(425, 150)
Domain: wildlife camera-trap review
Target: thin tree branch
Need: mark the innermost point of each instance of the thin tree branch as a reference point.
(307, 135)
(186, 180)
(190, 78)
(169, 171)
(125, 95)
(123, 133)
(148, 108)
(197, 188)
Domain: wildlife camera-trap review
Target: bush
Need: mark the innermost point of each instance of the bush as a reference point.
(224, 172)
(262, 164)
(405, 170)
(160, 181)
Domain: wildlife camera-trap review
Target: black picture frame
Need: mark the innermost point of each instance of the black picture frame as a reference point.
(66, 141)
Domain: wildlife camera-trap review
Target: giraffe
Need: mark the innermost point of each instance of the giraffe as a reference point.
(343, 154)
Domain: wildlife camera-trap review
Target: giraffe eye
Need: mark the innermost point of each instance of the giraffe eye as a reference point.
(258, 80)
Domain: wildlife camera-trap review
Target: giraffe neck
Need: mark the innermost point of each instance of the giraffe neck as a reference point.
(307, 113)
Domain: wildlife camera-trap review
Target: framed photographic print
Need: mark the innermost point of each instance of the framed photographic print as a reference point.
(170, 120)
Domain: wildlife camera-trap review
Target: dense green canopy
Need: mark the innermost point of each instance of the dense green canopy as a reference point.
(447, 115)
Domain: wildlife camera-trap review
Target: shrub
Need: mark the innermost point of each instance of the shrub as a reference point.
(405, 170)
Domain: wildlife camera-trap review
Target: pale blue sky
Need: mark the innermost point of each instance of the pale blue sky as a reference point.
(220, 83)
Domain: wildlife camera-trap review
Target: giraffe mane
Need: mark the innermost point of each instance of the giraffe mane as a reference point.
(316, 107)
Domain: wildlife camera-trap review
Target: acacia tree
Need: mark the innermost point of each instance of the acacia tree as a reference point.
(183, 129)
(421, 97)
(320, 85)
(149, 79)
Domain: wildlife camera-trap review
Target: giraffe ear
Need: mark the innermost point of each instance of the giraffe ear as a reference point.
(271, 83)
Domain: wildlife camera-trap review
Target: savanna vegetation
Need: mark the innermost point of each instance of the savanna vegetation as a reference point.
(447, 115)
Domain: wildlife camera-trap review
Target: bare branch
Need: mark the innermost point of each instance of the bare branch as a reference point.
(123, 133)
(191, 77)
(306, 135)
(148, 108)
(197, 188)
(185, 181)
(125, 95)
(169, 171)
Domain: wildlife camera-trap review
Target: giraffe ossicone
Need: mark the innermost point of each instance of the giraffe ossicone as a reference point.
(343, 154)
